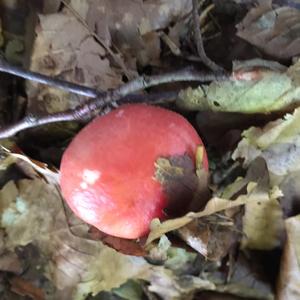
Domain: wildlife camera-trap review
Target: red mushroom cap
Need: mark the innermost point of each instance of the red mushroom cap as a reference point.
(107, 172)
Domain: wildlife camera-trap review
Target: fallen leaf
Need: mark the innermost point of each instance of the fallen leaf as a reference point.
(134, 34)
(10, 262)
(183, 287)
(128, 247)
(211, 236)
(248, 279)
(131, 290)
(263, 223)
(274, 30)
(288, 287)
(213, 206)
(72, 54)
(259, 90)
(25, 288)
(273, 142)
(32, 212)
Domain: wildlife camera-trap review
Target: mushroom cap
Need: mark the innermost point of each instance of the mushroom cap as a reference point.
(107, 171)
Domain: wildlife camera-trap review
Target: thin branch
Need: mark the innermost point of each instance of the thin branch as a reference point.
(92, 107)
(37, 77)
(199, 41)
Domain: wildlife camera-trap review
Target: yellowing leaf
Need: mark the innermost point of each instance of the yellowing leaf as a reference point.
(263, 224)
(255, 91)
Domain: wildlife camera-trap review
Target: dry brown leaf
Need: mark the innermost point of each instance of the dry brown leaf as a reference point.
(289, 285)
(10, 262)
(276, 31)
(128, 247)
(64, 47)
(130, 25)
(25, 288)
(211, 236)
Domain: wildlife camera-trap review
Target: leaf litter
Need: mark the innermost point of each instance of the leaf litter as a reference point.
(222, 241)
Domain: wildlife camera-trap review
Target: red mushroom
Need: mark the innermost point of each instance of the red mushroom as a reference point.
(107, 172)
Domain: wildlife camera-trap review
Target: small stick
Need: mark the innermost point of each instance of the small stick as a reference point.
(37, 77)
(92, 107)
(199, 41)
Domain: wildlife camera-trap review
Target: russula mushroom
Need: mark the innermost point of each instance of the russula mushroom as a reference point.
(107, 171)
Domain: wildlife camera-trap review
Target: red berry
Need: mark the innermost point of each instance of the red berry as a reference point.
(107, 172)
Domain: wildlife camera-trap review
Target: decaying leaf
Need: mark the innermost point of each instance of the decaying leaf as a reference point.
(259, 90)
(129, 247)
(276, 31)
(278, 143)
(289, 285)
(246, 281)
(213, 206)
(25, 288)
(263, 223)
(131, 290)
(32, 212)
(211, 236)
(183, 287)
(134, 34)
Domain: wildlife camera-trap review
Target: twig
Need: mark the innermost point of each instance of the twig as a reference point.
(61, 84)
(91, 108)
(199, 41)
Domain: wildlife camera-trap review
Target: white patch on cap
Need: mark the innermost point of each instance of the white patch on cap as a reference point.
(90, 176)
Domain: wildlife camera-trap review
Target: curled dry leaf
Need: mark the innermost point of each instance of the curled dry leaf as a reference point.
(211, 236)
(288, 284)
(276, 31)
(213, 206)
(32, 168)
(273, 142)
(263, 224)
(259, 90)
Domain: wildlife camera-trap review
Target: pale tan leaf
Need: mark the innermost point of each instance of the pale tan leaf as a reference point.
(278, 143)
(276, 31)
(289, 285)
(263, 223)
